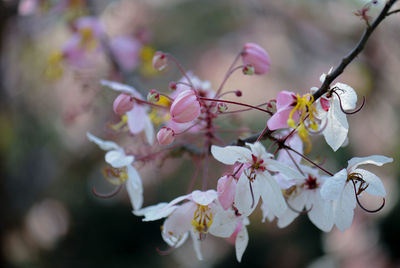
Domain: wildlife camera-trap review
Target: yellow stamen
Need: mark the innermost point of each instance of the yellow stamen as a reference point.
(115, 176)
(202, 219)
(54, 69)
(118, 126)
(88, 40)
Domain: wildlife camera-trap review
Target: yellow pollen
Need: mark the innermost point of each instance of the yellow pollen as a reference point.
(202, 219)
(54, 69)
(118, 126)
(88, 41)
(306, 109)
(115, 176)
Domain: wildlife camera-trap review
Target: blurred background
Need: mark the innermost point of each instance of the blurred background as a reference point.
(48, 214)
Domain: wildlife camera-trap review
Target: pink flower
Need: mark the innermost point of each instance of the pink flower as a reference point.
(185, 107)
(165, 136)
(126, 51)
(226, 191)
(122, 104)
(257, 57)
(160, 61)
(285, 103)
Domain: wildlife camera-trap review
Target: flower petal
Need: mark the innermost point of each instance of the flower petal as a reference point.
(119, 87)
(229, 155)
(284, 169)
(336, 129)
(196, 246)
(244, 198)
(118, 159)
(149, 130)
(271, 194)
(377, 160)
(224, 222)
(347, 95)
(105, 145)
(204, 198)
(135, 188)
(333, 186)
(242, 239)
(344, 208)
(179, 222)
(321, 213)
(137, 118)
(375, 185)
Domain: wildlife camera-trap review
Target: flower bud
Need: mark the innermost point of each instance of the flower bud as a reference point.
(185, 107)
(221, 107)
(122, 104)
(165, 136)
(153, 96)
(160, 61)
(172, 85)
(248, 70)
(256, 56)
(238, 93)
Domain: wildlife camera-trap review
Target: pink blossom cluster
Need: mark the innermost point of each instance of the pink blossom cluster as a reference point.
(281, 177)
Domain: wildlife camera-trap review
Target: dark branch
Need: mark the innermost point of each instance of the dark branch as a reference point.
(393, 12)
(354, 53)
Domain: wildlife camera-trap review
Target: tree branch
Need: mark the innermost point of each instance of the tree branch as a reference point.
(354, 53)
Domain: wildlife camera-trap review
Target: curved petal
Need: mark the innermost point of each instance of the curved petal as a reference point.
(344, 208)
(266, 213)
(135, 188)
(179, 222)
(259, 150)
(155, 212)
(226, 190)
(271, 194)
(377, 160)
(119, 87)
(149, 130)
(333, 186)
(241, 242)
(105, 145)
(336, 129)
(173, 241)
(229, 155)
(118, 159)
(375, 185)
(297, 203)
(196, 246)
(280, 118)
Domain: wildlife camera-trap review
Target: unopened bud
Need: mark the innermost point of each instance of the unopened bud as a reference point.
(160, 61)
(153, 96)
(165, 136)
(238, 93)
(256, 56)
(186, 107)
(222, 107)
(122, 104)
(248, 70)
(172, 85)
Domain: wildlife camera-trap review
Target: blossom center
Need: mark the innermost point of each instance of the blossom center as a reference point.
(88, 41)
(202, 219)
(311, 182)
(116, 176)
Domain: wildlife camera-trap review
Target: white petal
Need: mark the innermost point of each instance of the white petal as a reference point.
(179, 222)
(259, 150)
(288, 172)
(149, 130)
(229, 155)
(224, 222)
(155, 212)
(119, 87)
(271, 194)
(347, 95)
(375, 185)
(244, 198)
(137, 119)
(344, 208)
(296, 203)
(336, 129)
(333, 186)
(204, 198)
(377, 160)
(149, 209)
(118, 159)
(196, 245)
(105, 145)
(135, 188)
(321, 213)
(173, 241)
(242, 239)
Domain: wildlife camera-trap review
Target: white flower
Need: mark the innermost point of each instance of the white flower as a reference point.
(137, 118)
(333, 119)
(256, 180)
(305, 194)
(121, 170)
(340, 188)
(199, 215)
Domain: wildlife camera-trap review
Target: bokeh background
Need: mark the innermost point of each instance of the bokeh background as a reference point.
(50, 218)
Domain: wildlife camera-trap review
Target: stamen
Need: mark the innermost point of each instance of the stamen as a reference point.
(362, 207)
(252, 194)
(350, 112)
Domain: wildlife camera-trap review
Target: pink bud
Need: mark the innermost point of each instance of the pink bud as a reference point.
(256, 56)
(248, 70)
(172, 85)
(160, 60)
(165, 136)
(238, 93)
(122, 104)
(185, 107)
(226, 190)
